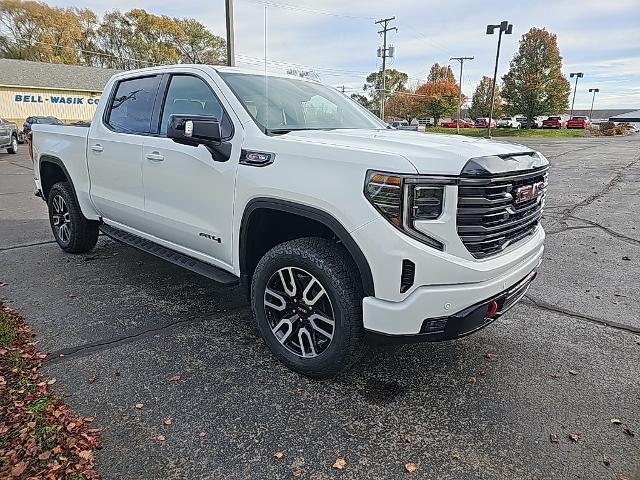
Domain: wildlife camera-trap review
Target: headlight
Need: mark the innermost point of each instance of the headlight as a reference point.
(404, 199)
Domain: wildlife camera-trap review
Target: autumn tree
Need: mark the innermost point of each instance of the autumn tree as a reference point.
(481, 100)
(534, 84)
(441, 73)
(402, 104)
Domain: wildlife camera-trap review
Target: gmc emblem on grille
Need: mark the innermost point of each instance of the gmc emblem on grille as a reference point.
(528, 192)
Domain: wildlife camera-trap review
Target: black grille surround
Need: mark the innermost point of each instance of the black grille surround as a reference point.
(489, 219)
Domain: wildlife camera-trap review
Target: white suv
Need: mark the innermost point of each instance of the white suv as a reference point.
(340, 230)
(508, 122)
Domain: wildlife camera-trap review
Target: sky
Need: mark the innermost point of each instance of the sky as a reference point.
(338, 39)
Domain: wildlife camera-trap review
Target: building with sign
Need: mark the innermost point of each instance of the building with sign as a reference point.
(69, 92)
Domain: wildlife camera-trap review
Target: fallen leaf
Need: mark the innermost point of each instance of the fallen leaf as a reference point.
(410, 467)
(139, 405)
(553, 438)
(167, 421)
(44, 455)
(175, 377)
(407, 439)
(278, 454)
(489, 355)
(573, 372)
(297, 471)
(473, 380)
(86, 455)
(92, 379)
(161, 438)
(340, 463)
(202, 434)
(606, 460)
(52, 381)
(629, 432)
(616, 421)
(574, 437)
(455, 455)
(18, 469)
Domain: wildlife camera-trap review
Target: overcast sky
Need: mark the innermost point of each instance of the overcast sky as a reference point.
(338, 39)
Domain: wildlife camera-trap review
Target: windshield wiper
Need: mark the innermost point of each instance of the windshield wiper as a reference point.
(282, 131)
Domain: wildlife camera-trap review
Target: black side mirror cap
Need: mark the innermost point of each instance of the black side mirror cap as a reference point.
(195, 130)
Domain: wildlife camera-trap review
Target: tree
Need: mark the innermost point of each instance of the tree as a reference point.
(534, 84)
(481, 100)
(441, 73)
(402, 104)
(394, 80)
(363, 100)
(437, 99)
(199, 45)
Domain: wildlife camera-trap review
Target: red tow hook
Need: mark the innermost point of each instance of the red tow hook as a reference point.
(492, 309)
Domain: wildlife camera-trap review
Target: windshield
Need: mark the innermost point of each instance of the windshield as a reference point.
(297, 104)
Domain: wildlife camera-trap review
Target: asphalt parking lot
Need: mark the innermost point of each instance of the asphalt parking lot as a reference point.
(122, 328)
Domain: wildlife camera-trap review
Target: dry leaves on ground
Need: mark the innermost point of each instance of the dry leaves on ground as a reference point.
(297, 471)
(278, 454)
(410, 467)
(473, 380)
(606, 460)
(553, 438)
(340, 463)
(42, 438)
(574, 437)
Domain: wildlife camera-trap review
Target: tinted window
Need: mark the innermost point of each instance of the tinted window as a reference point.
(132, 105)
(189, 95)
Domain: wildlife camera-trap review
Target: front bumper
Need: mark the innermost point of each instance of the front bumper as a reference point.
(443, 312)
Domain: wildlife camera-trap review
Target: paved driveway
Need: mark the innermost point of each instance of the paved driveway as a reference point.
(123, 328)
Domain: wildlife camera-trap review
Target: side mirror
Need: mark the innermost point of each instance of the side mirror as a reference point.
(195, 130)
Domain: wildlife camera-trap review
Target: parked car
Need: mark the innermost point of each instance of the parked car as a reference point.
(508, 122)
(579, 121)
(483, 122)
(454, 123)
(33, 120)
(340, 231)
(554, 122)
(8, 136)
(403, 125)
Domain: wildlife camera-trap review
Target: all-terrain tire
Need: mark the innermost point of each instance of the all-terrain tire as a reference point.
(79, 234)
(335, 270)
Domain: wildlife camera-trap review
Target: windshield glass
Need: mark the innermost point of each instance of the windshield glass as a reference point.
(297, 104)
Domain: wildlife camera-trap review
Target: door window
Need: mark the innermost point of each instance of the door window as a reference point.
(132, 105)
(189, 95)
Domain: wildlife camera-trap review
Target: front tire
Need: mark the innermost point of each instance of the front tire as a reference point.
(307, 304)
(73, 232)
(14, 146)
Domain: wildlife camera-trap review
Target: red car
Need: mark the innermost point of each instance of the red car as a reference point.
(554, 122)
(579, 122)
(483, 122)
(454, 124)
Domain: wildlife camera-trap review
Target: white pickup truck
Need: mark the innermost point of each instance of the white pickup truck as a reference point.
(341, 231)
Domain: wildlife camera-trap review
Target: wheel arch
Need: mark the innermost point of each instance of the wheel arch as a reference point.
(52, 170)
(307, 214)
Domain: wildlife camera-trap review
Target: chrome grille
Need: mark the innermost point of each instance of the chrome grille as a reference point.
(489, 219)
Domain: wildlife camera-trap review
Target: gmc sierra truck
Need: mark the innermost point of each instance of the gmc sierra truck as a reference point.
(341, 231)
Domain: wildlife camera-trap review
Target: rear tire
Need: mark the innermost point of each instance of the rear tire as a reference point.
(307, 305)
(73, 232)
(14, 145)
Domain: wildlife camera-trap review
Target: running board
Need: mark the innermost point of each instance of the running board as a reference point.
(206, 270)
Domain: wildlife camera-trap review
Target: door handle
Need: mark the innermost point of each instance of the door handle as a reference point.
(97, 147)
(154, 156)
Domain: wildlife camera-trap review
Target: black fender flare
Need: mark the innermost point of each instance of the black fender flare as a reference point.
(55, 161)
(314, 214)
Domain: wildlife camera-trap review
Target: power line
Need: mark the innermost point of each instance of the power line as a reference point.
(385, 52)
(288, 6)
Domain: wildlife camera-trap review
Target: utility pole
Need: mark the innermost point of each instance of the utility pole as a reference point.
(384, 52)
(506, 28)
(577, 75)
(461, 60)
(593, 99)
(231, 55)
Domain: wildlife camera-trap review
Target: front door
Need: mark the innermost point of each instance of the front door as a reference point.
(4, 132)
(188, 195)
(114, 151)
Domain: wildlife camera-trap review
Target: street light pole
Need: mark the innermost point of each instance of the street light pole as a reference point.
(385, 52)
(461, 60)
(593, 99)
(506, 28)
(577, 75)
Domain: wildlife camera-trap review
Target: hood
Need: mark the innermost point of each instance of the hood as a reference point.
(430, 153)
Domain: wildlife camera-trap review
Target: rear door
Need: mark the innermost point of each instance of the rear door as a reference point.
(4, 132)
(114, 150)
(188, 195)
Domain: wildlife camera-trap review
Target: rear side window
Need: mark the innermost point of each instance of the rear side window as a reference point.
(132, 105)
